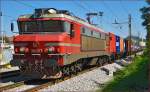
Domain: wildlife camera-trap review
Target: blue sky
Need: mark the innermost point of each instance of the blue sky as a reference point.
(113, 9)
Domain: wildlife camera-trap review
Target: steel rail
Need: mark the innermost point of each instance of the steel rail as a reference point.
(9, 74)
(11, 86)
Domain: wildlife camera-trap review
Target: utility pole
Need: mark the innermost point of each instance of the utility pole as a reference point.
(1, 48)
(139, 38)
(1, 32)
(130, 39)
(0, 19)
(2, 37)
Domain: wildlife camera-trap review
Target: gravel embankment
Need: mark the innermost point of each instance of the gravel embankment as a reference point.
(89, 81)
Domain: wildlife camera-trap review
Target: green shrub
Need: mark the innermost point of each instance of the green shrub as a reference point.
(133, 78)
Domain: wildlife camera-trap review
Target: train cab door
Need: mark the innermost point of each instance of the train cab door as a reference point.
(75, 37)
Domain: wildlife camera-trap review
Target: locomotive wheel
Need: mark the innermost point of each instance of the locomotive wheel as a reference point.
(99, 63)
(103, 61)
(72, 68)
(79, 67)
(107, 60)
(22, 69)
(66, 71)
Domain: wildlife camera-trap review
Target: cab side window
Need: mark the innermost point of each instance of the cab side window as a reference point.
(67, 27)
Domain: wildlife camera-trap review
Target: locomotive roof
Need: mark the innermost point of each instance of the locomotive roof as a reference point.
(73, 18)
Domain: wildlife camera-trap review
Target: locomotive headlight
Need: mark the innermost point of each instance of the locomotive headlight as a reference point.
(16, 50)
(22, 49)
(49, 49)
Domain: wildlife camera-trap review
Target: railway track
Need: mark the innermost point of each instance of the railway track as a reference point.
(9, 74)
(27, 82)
(43, 85)
(17, 84)
(48, 83)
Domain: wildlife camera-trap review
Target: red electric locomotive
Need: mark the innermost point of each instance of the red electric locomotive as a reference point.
(52, 43)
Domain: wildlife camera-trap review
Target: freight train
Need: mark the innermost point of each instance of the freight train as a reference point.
(54, 43)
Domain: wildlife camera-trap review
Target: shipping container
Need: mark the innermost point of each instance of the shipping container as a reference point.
(125, 45)
(112, 43)
(117, 44)
(121, 45)
(128, 48)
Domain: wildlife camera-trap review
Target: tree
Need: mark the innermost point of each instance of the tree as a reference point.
(146, 16)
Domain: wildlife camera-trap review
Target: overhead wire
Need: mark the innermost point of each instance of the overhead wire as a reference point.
(25, 4)
(112, 13)
(99, 18)
(81, 6)
(126, 10)
(18, 1)
(86, 9)
(94, 10)
(8, 16)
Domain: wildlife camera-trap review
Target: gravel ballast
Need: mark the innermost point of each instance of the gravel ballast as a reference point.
(89, 81)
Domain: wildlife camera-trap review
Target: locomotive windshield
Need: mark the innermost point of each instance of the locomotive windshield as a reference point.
(43, 26)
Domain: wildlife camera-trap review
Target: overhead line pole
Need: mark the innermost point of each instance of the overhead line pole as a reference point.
(130, 34)
(1, 31)
(1, 34)
(0, 23)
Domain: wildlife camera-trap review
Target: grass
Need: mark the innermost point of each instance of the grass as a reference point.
(133, 78)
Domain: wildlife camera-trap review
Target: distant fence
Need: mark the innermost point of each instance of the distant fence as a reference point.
(5, 56)
(0, 54)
